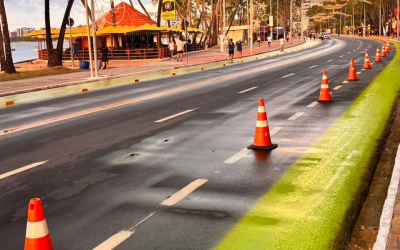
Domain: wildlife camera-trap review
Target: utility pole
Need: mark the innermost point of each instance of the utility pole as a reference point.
(380, 17)
(224, 24)
(271, 27)
(89, 43)
(397, 23)
(340, 23)
(96, 67)
(290, 23)
(352, 27)
(251, 27)
(277, 19)
(70, 42)
(364, 28)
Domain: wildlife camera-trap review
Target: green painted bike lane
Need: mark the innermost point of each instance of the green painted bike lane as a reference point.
(312, 205)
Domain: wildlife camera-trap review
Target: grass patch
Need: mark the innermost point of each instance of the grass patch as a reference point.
(36, 73)
(312, 206)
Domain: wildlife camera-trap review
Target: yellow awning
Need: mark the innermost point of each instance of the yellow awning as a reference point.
(113, 30)
(195, 30)
(147, 27)
(35, 33)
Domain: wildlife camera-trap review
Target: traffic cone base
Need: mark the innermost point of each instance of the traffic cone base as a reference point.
(269, 148)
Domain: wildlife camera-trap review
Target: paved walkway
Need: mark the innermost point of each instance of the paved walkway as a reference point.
(121, 70)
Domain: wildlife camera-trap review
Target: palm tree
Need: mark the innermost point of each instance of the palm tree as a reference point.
(55, 58)
(114, 19)
(9, 64)
(2, 61)
(52, 60)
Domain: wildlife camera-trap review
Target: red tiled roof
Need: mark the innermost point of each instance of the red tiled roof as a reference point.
(125, 15)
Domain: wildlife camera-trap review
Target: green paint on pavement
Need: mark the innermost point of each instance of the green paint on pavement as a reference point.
(311, 206)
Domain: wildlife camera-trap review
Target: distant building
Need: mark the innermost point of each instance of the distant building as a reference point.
(24, 30)
(14, 33)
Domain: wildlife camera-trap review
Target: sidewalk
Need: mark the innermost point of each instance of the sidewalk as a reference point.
(122, 70)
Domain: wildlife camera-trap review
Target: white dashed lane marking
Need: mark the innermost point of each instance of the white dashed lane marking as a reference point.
(312, 105)
(246, 90)
(295, 116)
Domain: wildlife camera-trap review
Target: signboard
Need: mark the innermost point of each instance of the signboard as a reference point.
(271, 21)
(168, 10)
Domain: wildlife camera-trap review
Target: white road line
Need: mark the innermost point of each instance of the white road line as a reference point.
(312, 105)
(237, 156)
(287, 75)
(176, 115)
(114, 240)
(362, 69)
(348, 52)
(329, 60)
(275, 130)
(19, 170)
(295, 116)
(358, 73)
(331, 93)
(183, 192)
(371, 63)
(337, 87)
(313, 66)
(354, 50)
(244, 91)
(345, 81)
(341, 56)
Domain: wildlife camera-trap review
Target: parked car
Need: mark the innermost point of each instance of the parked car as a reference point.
(327, 35)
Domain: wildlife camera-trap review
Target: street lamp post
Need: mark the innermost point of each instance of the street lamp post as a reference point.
(70, 42)
(271, 27)
(364, 28)
(251, 27)
(380, 17)
(290, 23)
(96, 64)
(89, 43)
(224, 24)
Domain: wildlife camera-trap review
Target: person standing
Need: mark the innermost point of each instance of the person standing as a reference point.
(313, 36)
(239, 48)
(171, 47)
(269, 39)
(259, 41)
(231, 47)
(180, 47)
(104, 57)
(282, 42)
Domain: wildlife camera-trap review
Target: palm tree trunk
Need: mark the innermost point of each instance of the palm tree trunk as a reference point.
(159, 23)
(2, 60)
(60, 43)
(51, 56)
(9, 64)
(114, 19)
(141, 5)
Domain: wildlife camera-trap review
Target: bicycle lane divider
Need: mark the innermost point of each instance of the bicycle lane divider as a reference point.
(309, 207)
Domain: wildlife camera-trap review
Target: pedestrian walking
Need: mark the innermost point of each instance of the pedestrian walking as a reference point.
(239, 49)
(171, 47)
(269, 39)
(259, 41)
(104, 58)
(179, 50)
(231, 48)
(313, 36)
(282, 42)
(287, 38)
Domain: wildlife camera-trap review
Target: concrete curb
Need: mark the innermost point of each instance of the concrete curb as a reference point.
(66, 84)
(387, 211)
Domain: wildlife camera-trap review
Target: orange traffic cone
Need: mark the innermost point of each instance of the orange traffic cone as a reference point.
(387, 50)
(389, 46)
(367, 64)
(352, 71)
(324, 94)
(383, 51)
(37, 234)
(262, 138)
(378, 55)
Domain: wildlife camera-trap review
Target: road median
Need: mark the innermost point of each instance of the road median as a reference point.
(314, 204)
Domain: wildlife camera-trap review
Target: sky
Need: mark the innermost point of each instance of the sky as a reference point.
(30, 13)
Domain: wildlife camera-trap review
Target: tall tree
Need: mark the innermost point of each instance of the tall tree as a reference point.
(2, 60)
(52, 59)
(9, 64)
(55, 58)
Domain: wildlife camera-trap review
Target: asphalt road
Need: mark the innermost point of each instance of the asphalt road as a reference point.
(109, 169)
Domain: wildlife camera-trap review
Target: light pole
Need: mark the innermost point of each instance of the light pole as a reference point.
(380, 17)
(271, 26)
(224, 24)
(364, 28)
(290, 23)
(277, 19)
(70, 42)
(352, 27)
(89, 43)
(251, 27)
(96, 67)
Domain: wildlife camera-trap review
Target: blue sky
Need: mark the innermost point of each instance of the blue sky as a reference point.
(30, 13)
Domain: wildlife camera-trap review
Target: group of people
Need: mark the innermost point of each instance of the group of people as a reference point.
(231, 49)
